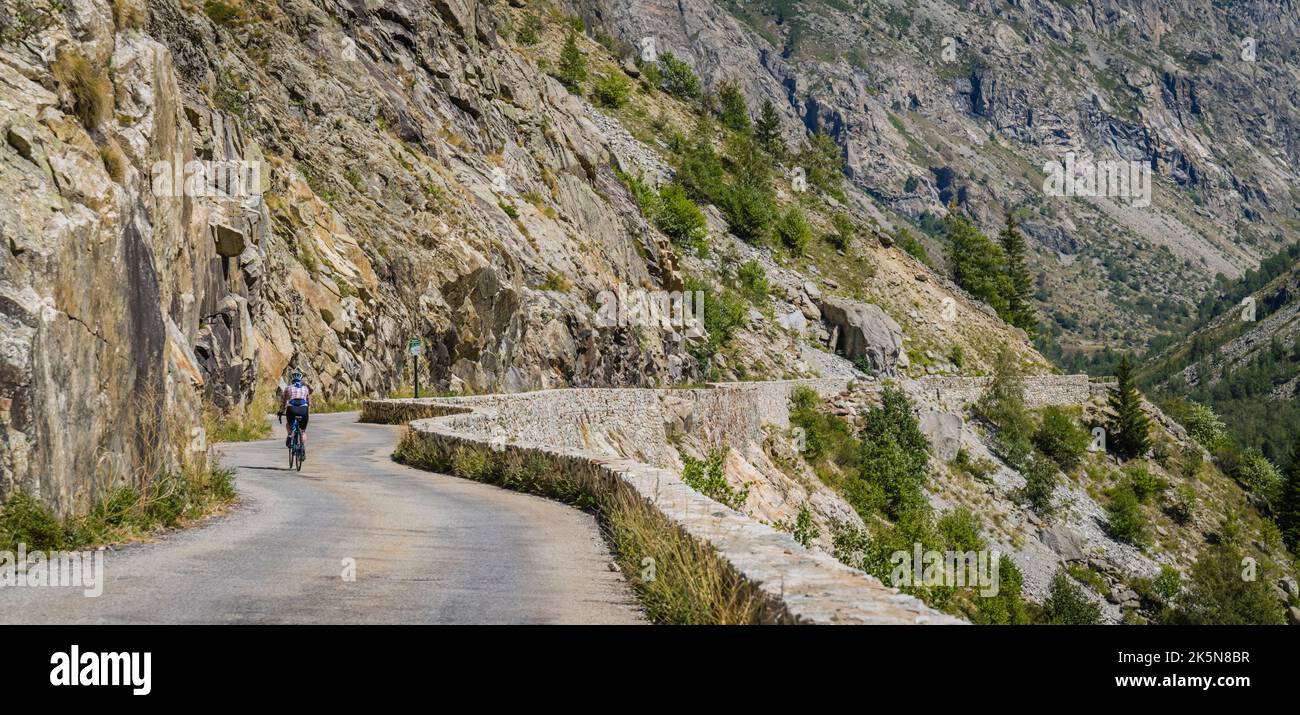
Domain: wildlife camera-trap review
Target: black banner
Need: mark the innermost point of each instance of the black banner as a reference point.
(333, 664)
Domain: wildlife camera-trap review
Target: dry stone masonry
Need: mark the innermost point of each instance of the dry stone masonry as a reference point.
(585, 433)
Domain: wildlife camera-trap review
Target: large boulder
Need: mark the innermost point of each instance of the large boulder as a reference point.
(943, 430)
(864, 331)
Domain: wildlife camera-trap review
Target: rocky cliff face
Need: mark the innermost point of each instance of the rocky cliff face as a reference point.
(967, 101)
(378, 148)
(200, 197)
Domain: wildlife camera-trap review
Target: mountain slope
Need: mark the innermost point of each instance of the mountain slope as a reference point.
(942, 101)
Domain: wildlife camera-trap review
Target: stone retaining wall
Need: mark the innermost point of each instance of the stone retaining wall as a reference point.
(570, 429)
(800, 585)
(1040, 390)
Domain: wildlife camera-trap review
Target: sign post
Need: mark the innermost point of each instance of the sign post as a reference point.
(414, 346)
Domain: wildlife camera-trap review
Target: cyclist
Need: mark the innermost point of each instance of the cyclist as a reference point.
(294, 403)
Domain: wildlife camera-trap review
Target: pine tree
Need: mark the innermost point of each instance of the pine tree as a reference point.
(573, 66)
(975, 261)
(1130, 430)
(1288, 517)
(767, 130)
(1020, 288)
(732, 110)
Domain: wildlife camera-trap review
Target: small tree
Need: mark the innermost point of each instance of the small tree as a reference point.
(680, 219)
(612, 90)
(1130, 430)
(767, 131)
(975, 261)
(573, 66)
(844, 230)
(1020, 286)
(1003, 406)
(732, 111)
(894, 455)
(1068, 605)
(1040, 483)
(1124, 517)
(794, 230)
(677, 77)
(1061, 438)
(823, 163)
(528, 30)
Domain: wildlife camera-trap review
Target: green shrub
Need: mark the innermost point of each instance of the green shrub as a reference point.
(1202, 424)
(611, 90)
(652, 77)
(677, 77)
(573, 66)
(24, 519)
(911, 245)
(957, 356)
(1067, 604)
(960, 530)
(1060, 437)
(680, 219)
(843, 231)
(979, 469)
(1007, 607)
(724, 313)
(1183, 507)
(753, 281)
(749, 210)
(529, 30)
(1040, 475)
(805, 529)
(643, 193)
(707, 477)
(700, 170)
(1144, 483)
(732, 111)
(825, 435)
(1168, 583)
(794, 231)
(894, 453)
(1257, 474)
(1124, 518)
(823, 163)
(224, 13)
(1218, 595)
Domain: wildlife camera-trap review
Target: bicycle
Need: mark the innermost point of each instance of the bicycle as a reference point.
(297, 451)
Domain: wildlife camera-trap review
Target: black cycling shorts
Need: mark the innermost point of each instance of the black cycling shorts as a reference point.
(299, 412)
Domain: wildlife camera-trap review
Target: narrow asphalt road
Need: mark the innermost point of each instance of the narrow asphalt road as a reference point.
(428, 548)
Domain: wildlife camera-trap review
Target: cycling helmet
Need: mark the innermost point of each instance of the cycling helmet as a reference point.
(296, 378)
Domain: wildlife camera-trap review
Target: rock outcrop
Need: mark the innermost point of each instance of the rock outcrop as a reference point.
(404, 175)
(865, 333)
